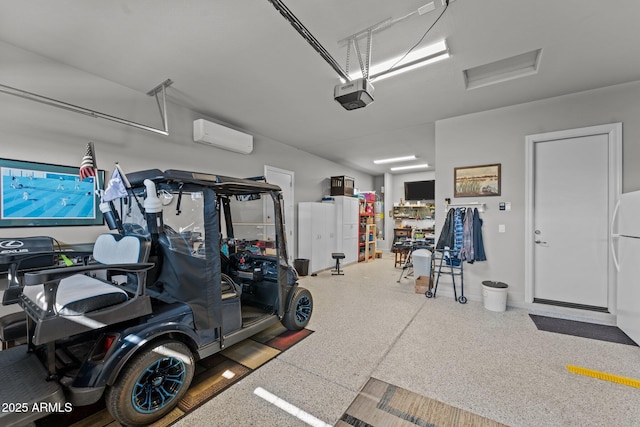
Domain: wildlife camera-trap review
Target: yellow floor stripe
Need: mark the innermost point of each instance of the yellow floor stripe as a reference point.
(604, 376)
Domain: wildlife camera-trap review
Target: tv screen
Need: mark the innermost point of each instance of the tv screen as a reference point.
(420, 190)
(40, 194)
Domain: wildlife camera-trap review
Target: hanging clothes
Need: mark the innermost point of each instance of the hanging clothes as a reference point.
(446, 234)
(458, 229)
(452, 252)
(478, 244)
(467, 252)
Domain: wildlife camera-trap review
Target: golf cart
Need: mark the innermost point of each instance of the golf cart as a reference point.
(190, 268)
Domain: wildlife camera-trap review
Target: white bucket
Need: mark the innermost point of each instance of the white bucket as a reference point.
(421, 262)
(494, 296)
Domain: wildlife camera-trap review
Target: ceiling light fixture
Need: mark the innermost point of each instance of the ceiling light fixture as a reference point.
(395, 160)
(418, 58)
(420, 166)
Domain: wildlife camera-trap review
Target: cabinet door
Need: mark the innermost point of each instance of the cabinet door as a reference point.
(311, 234)
(353, 220)
(319, 237)
(341, 205)
(351, 249)
(304, 231)
(329, 244)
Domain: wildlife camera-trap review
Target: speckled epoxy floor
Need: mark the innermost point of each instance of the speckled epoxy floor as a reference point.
(497, 365)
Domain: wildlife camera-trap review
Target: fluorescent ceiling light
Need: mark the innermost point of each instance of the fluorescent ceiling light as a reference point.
(395, 160)
(420, 166)
(417, 58)
(404, 69)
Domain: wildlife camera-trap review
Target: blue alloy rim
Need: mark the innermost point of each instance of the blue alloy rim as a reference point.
(158, 385)
(303, 310)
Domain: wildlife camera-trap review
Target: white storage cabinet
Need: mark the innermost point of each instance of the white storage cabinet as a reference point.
(347, 211)
(317, 234)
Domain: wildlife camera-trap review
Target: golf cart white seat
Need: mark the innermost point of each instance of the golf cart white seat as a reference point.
(77, 295)
(68, 300)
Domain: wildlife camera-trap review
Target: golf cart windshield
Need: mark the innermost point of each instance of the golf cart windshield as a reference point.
(249, 223)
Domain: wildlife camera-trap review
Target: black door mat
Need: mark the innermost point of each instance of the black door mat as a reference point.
(581, 329)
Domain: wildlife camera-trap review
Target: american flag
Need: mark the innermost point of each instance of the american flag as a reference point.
(88, 165)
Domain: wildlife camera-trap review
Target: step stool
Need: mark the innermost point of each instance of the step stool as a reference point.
(337, 256)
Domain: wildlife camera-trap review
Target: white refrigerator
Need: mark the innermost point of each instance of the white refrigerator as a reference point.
(627, 259)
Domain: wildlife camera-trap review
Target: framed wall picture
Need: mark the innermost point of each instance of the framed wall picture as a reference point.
(477, 181)
(41, 194)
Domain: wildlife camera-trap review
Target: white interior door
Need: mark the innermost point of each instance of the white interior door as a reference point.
(570, 221)
(284, 179)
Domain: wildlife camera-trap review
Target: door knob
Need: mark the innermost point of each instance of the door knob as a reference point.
(541, 242)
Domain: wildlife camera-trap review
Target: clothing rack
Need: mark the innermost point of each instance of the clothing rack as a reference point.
(479, 205)
(460, 241)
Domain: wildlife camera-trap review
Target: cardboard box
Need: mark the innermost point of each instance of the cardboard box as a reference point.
(423, 284)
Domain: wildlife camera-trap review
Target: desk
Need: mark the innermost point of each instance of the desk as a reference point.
(401, 234)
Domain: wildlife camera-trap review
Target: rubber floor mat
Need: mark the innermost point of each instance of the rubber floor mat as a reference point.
(581, 329)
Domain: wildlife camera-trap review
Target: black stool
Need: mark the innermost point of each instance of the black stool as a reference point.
(337, 256)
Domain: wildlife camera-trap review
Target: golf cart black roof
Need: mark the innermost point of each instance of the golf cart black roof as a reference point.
(223, 185)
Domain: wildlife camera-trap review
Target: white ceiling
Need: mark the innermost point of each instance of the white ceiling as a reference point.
(242, 63)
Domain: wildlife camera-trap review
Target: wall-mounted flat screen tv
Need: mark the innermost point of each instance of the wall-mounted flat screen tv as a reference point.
(40, 194)
(420, 190)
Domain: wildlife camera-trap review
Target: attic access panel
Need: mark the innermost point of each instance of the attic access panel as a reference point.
(503, 70)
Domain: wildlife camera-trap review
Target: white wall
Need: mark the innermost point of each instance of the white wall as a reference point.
(41, 133)
(498, 136)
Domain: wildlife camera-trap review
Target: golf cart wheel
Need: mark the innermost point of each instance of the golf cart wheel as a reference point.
(462, 299)
(428, 294)
(299, 310)
(151, 384)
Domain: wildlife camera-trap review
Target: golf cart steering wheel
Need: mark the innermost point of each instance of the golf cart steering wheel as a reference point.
(243, 259)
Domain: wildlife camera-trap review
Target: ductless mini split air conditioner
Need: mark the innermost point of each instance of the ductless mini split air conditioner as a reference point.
(215, 135)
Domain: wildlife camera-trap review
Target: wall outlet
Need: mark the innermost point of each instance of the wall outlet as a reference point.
(444, 2)
(501, 228)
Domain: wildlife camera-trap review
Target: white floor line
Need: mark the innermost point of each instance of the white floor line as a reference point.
(289, 408)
